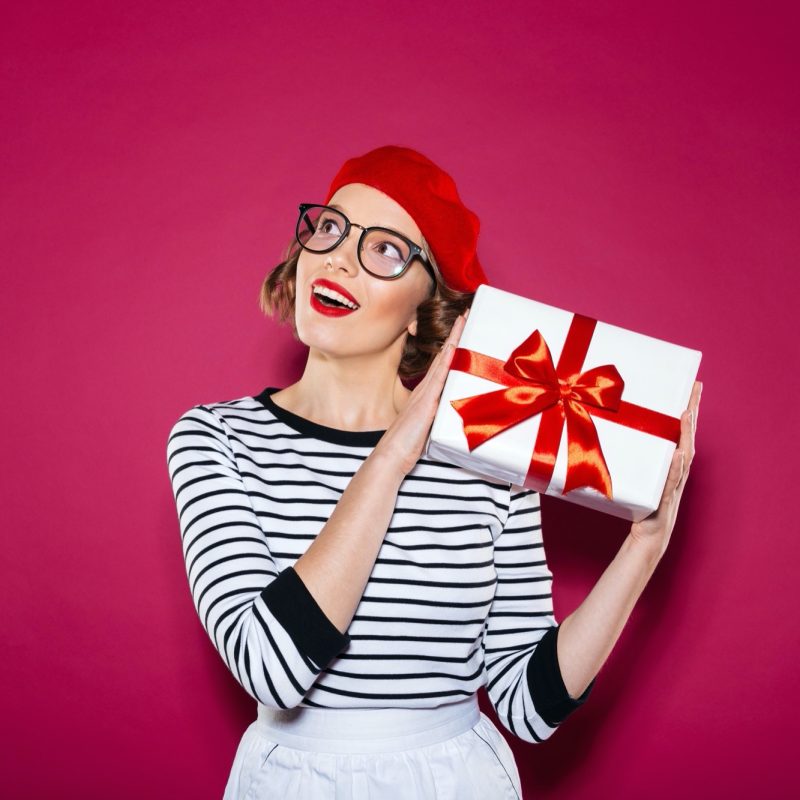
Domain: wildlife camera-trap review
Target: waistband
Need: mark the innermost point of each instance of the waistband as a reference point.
(366, 730)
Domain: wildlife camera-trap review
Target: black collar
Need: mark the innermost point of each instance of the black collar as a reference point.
(314, 429)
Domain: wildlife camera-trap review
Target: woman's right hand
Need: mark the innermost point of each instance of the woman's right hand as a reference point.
(404, 440)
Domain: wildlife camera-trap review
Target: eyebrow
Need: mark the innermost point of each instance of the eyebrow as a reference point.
(339, 208)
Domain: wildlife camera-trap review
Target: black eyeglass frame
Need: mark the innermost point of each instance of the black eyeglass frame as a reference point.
(415, 250)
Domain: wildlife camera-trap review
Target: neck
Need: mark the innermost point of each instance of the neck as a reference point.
(344, 395)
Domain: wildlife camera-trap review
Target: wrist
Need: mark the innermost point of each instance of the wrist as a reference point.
(384, 468)
(648, 550)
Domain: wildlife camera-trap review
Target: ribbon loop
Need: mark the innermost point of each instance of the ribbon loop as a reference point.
(562, 395)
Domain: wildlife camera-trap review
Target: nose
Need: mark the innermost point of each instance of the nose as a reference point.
(345, 254)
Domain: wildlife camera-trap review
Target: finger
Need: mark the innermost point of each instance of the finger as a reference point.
(440, 364)
(674, 475)
(457, 327)
(452, 338)
(442, 368)
(689, 423)
(455, 330)
(694, 398)
(670, 487)
(441, 356)
(697, 403)
(684, 453)
(687, 432)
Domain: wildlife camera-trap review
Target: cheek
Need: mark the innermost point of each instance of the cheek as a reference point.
(389, 311)
(301, 271)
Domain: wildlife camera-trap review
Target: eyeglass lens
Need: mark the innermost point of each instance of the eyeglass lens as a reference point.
(320, 229)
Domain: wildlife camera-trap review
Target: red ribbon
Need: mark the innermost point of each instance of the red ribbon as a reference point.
(561, 394)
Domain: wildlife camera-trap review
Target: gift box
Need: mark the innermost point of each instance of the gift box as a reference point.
(563, 403)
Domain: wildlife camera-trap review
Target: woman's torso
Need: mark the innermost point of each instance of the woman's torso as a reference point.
(416, 636)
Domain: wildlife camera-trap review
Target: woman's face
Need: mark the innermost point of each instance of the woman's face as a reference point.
(386, 309)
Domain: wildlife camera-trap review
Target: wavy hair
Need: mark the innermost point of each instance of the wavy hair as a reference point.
(435, 314)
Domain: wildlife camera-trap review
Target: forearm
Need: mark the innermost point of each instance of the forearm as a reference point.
(338, 563)
(588, 635)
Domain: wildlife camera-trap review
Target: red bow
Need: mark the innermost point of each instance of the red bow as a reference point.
(561, 394)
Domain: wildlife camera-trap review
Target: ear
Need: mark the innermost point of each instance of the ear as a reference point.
(412, 328)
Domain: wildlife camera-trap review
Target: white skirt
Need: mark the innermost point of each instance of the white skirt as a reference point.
(452, 752)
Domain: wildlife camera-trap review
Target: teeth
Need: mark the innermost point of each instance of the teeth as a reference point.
(335, 295)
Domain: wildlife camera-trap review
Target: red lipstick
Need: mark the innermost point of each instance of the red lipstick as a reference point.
(330, 311)
(337, 287)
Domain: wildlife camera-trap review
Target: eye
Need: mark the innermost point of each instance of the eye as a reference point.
(388, 250)
(328, 225)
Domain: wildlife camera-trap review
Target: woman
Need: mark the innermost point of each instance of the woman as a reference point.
(358, 591)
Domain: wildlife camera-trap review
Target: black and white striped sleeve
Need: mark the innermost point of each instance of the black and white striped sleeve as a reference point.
(524, 680)
(266, 625)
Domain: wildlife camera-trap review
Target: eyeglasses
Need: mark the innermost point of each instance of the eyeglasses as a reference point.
(384, 253)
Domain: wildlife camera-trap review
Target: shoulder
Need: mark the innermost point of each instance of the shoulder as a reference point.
(522, 500)
(216, 418)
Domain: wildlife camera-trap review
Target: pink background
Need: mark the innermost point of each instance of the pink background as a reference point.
(637, 165)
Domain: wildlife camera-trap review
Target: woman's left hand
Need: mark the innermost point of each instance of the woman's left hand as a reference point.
(654, 531)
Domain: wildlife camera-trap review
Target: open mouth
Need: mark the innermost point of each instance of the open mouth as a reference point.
(330, 298)
(332, 302)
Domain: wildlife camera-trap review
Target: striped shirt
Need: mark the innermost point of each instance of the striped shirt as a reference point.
(459, 596)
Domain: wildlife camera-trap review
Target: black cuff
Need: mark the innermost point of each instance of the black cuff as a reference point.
(314, 635)
(550, 697)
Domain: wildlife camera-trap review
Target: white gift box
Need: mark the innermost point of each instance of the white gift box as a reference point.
(658, 376)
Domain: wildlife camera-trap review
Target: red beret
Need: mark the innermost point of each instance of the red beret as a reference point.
(429, 195)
